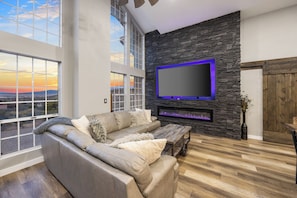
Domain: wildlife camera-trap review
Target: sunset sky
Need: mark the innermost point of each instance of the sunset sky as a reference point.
(9, 72)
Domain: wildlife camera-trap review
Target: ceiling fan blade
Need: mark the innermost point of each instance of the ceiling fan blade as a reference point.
(138, 3)
(153, 2)
(123, 2)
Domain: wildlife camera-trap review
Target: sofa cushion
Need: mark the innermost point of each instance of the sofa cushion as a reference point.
(127, 131)
(98, 131)
(126, 161)
(150, 149)
(138, 118)
(80, 139)
(132, 137)
(123, 119)
(107, 120)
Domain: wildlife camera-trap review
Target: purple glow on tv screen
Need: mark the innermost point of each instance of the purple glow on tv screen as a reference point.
(186, 81)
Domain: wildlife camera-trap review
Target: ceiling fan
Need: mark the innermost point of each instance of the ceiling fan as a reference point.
(137, 3)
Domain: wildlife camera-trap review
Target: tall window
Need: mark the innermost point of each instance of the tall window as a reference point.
(28, 97)
(38, 20)
(136, 93)
(136, 48)
(117, 91)
(127, 60)
(117, 31)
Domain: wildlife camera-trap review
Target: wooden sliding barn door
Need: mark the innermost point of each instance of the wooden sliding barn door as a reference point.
(279, 98)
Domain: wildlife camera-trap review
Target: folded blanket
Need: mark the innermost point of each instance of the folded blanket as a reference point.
(56, 120)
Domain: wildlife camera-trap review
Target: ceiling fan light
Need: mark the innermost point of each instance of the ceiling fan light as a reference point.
(138, 3)
(153, 2)
(123, 2)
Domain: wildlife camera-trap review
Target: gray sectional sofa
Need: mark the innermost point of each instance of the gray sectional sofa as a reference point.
(93, 169)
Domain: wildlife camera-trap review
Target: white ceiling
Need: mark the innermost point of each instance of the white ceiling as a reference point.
(169, 15)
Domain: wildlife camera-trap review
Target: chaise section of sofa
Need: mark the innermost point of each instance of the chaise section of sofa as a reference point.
(84, 175)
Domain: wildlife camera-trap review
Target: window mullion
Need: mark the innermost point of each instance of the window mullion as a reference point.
(45, 99)
(33, 89)
(127, 92)
(127, 41)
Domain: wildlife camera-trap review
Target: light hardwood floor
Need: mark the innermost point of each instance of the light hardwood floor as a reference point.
(213, 167)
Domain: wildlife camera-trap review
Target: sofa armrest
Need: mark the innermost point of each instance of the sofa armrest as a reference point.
(126, 161)
(165, 178)
(153, 125)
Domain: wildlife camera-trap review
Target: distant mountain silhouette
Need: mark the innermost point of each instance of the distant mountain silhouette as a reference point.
(49, 92)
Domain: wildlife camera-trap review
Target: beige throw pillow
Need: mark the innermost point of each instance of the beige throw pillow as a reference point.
(150, 149)
(138, 118)
(132, 137)
(147, 113)
(82, 124)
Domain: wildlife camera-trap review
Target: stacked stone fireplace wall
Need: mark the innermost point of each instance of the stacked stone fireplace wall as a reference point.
(217, 38)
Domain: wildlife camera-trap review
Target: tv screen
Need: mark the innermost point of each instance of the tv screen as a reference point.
(187, 81)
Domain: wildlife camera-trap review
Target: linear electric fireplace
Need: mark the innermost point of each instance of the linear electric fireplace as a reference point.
(186, 113)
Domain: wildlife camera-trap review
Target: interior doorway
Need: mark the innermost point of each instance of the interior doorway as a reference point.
(252, 85)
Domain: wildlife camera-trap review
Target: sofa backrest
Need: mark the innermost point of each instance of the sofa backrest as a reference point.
(107, 120)
(113, 121)
(123, 119)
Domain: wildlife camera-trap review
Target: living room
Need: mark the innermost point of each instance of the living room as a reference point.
(85, 65)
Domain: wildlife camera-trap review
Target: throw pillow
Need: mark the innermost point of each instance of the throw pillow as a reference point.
(98, 131)
(82, 124)
(147, 113)
(138, 118)
(132, 137)
(150, 149)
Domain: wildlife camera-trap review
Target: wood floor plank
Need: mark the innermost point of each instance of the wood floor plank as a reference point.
(213, 167)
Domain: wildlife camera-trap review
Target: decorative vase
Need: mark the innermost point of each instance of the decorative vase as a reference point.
(243, 127)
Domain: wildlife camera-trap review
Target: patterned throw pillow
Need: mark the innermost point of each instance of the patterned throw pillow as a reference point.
(98, 131)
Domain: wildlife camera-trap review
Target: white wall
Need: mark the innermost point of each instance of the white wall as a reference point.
(269, 36)
(86, 59)
(252, 85)
(92, 69)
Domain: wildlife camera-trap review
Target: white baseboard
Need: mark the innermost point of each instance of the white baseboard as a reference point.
(21, 166)
(255, 137)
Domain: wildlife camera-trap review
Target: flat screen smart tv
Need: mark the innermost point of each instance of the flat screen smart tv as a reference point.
(187, 81)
